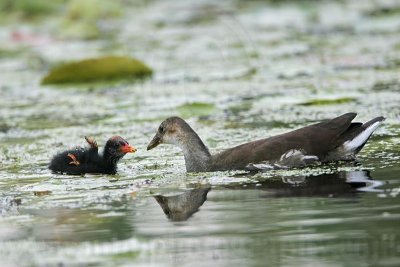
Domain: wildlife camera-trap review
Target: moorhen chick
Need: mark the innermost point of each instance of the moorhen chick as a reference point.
(331, 140)
(87, 160)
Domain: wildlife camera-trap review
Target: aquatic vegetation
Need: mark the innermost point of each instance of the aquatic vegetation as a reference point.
(322, 102)
(83, 16)
(129, 255)
(197, 109)
(4, 127)
(386, 85)
(28, 8)
(243, 106)
(41, 193)
(9, 53)
(98, 69)
(92, 10)
(384, 10)
(240, 71)
(79, 30)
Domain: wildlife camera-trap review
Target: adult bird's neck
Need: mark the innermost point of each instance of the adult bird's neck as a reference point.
(197, 155)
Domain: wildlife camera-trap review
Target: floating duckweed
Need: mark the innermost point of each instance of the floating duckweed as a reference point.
(320, 102)
(82, 18)
(386, 85)
(241, 107)
(125, 255)
(196, 109)
(98, 69)
(93, 10)
(29, 8)
(5, 53)
(80, 30)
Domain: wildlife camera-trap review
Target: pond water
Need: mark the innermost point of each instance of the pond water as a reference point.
(237, 71)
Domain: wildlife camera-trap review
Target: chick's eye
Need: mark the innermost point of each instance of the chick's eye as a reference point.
(121, 143)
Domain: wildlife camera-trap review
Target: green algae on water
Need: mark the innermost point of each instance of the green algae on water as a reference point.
(98, 69)
(82, 18)
(321, 102)
(28, 8)
(196, 109)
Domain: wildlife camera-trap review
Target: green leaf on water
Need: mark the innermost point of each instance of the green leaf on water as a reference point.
(335, 101)
(108, 68)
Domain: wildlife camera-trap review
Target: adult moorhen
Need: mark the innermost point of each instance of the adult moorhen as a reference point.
(87, 160)
(330, 140)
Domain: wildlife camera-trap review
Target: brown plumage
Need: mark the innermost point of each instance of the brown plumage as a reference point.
(330, 140)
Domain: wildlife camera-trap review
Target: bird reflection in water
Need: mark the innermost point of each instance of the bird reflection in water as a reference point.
(181, 207)
(341, 184)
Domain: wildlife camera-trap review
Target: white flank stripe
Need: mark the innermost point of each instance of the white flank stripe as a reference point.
(309, 157)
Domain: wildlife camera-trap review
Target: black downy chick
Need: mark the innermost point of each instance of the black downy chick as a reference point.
(87, 160)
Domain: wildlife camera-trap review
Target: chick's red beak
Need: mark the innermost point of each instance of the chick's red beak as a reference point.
(128, 149)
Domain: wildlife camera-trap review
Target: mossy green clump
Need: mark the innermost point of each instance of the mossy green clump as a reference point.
(80, 30)
(93, 10)
(82, 18)
(29, 8)
(196, 109)
(241, 107)
(125, 255)
(108, 68)
(321, 102)
(5, 53)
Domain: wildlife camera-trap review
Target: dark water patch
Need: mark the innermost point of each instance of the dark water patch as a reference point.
(386, 85)
(384, 10)
(9, 205)
(393, 61)
(4, 127)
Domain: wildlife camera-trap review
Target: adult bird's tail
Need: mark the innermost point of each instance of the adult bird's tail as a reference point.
(353, 139)
(358, 134)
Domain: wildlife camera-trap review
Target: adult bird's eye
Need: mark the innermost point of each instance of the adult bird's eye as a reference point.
(161, 129)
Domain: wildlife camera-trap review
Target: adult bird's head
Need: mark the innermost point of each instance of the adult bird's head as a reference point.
(176, 131)
(173, 130)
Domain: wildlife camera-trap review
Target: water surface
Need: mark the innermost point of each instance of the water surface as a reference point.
(236, 71)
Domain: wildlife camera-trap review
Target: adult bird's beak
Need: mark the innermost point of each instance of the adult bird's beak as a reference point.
(128, 149)
(155, 142)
